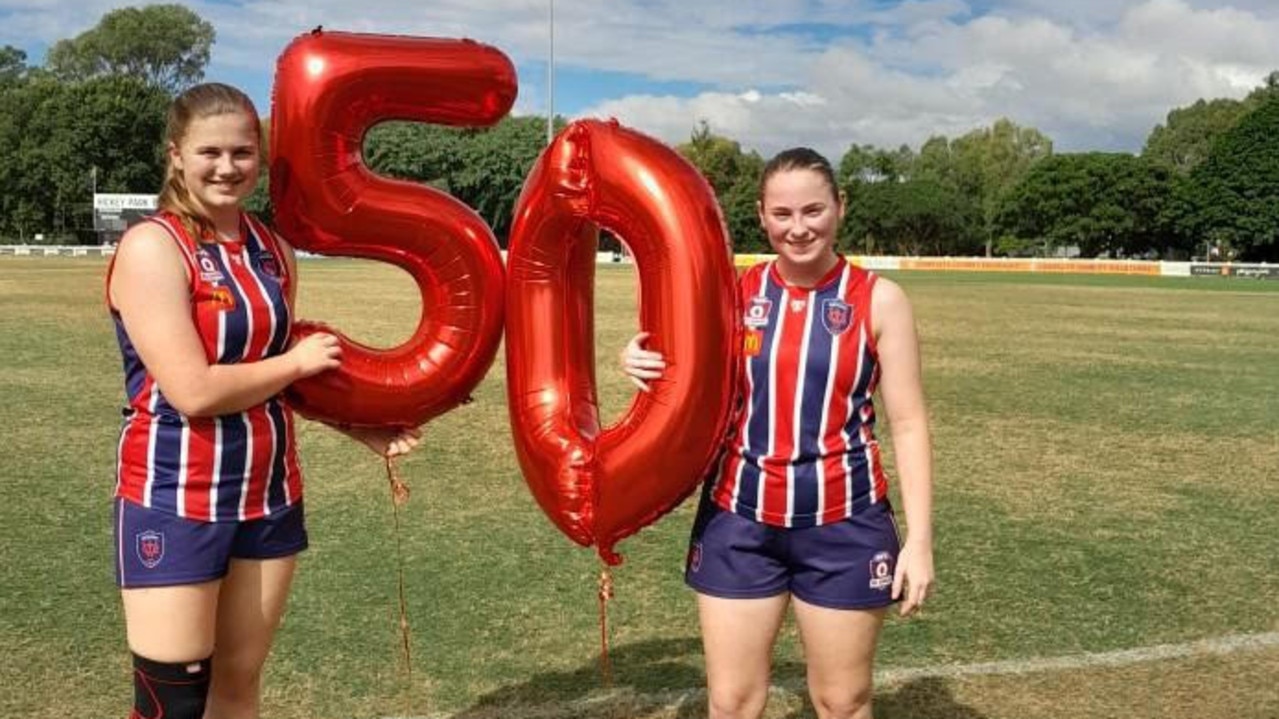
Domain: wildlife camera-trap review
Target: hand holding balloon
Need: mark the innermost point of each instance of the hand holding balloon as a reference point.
(641, 365)
(315, 353)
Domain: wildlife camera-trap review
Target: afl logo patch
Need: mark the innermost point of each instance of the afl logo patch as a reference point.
(222, 298)
(881, 571)
(757, 313)
(150, 546)
(837, 316)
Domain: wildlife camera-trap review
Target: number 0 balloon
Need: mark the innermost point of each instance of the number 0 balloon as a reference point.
(329, 89)
(601, 485)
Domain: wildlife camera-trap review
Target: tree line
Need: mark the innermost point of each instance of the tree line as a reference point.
(1206, 183)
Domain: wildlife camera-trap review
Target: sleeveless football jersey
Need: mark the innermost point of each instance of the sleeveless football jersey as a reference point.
(233, 467)
(802, 450)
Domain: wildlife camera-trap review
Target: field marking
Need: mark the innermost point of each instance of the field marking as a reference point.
(675, 698)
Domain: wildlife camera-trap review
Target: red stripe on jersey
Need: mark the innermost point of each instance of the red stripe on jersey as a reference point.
(750, 285)
(846, 359)
(293, 476)
(257, 305)
(199, 458)
(784, 392)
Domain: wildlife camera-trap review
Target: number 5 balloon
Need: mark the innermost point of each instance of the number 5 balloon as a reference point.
(601, 485)
(329, 89)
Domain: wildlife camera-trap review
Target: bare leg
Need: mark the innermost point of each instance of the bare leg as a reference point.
(251, 604)
(839, 649)
(171, 624)
(738, 636)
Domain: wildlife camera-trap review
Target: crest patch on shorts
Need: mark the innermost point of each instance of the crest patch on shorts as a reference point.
(150, 546)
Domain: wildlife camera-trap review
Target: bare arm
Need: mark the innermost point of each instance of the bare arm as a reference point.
(149, 288)
(902, 389)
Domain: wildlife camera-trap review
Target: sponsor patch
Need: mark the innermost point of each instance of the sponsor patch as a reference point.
(209, 271)
(881, 571)
(757, 313)
(837, 315)
(150, 547)
(222, 298)
(752, 343)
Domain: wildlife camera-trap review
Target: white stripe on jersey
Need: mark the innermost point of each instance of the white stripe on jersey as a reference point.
(848, 438)
(288, 429)
(244, 300)
(217, 469)
(832, 370)
(797, 435)
(868, 441)
(248, 463)
(266, 297)
(184, 449)
(772, 398)
(750, 406)
(152, 436)
(275, 446)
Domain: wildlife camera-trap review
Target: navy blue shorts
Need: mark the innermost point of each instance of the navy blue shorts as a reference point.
(844, 565)
(158, 549)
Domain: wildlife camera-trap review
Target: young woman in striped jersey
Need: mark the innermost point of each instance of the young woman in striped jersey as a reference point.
(796, 511)
(208, 507)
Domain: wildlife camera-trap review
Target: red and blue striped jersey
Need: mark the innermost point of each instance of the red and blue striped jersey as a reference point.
(232, 467)
(802, 450)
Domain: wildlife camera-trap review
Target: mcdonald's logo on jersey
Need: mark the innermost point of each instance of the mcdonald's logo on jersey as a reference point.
(222, 298)
(752, 343)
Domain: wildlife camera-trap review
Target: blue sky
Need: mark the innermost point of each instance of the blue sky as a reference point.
(1092, 74)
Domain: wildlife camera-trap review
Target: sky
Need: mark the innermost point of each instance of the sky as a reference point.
(1090, 74)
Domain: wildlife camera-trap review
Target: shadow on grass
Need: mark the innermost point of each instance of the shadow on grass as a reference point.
(663, 679)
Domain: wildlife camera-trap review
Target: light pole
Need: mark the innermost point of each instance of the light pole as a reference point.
(550, 76)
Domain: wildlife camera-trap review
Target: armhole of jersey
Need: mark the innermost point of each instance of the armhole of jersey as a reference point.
(179, 238)
(869, 289)
(272, 245)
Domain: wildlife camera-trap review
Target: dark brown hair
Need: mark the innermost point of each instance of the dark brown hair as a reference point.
(799, 158)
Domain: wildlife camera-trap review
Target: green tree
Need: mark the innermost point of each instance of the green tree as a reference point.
(912, 217)
(60, 136)
(734, 176)
(1234, 194)
(1105, 204)
(166, 46)
(988, 162)
(1184, 140)
(13, 66)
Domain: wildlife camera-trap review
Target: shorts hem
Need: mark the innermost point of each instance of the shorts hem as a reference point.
(288, 552)
(735, 593)
(172, 581)
(845, 605)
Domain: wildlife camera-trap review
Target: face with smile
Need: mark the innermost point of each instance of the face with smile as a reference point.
(801, 212)
(219, 162)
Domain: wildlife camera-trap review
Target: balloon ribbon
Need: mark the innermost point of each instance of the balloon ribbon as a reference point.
(605, 594)
(400, 497)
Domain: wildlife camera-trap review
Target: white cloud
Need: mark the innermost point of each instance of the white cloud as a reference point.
(1093, 74)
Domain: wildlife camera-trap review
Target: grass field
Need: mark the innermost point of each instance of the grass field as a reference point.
(1107, 454)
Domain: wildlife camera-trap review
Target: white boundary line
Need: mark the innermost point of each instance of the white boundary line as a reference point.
(673, 699)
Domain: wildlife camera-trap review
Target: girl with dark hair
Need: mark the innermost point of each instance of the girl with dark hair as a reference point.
(796, 512)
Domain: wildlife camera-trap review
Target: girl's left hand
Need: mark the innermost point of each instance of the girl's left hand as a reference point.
(386, 441)
(914, 574)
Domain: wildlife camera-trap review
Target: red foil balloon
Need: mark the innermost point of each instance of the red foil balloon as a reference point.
(330, 88)
(601, 485)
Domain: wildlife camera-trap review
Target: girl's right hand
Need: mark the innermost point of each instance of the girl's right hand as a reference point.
(316, 353)
(640, 364)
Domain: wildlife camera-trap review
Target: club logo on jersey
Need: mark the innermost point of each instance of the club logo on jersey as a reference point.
(150, 548)
(881, 571)
(222, 298)
(695, 557)
(757, 313)
(752, 343)
(209, 271)
(837, 315)
(270, 267)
